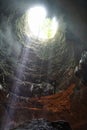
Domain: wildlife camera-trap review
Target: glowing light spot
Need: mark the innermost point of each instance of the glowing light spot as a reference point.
(54, 26)
(36, 18)
(40, 26)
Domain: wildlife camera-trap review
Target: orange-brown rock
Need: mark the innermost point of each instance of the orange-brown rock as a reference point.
(69, 105)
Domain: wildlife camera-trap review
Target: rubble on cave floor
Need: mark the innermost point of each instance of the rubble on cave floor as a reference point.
(60, 106)
(42, 124)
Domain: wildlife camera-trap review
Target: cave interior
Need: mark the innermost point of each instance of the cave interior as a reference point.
(43, 65)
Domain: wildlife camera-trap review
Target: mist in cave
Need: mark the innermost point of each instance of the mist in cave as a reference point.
(43, 61)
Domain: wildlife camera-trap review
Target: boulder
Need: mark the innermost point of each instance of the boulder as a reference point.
(81, 69)
(42, 89)
(42, 124)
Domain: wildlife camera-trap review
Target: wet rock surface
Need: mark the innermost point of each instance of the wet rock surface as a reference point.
(41, 124)
(28, 77)
(42, 89)
(81, 69)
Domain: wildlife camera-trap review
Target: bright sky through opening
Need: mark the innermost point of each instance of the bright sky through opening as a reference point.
(40, 26)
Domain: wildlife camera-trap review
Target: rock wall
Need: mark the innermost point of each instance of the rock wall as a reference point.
(38, 69)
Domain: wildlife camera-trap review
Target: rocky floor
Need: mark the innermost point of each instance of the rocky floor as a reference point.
(69, 105)
(41, 124)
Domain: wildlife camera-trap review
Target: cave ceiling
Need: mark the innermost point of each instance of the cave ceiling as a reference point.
(75, 12)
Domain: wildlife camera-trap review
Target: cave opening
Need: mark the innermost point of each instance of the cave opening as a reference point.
(40, 25)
